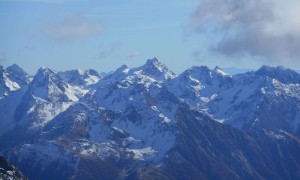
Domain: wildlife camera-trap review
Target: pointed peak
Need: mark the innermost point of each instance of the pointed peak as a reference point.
(265, 68)
(13, 66)
(45, 70)
(281, 68)
(15, 69)
(154, 69)
(282, 74)
(122, 68)
(220, 71)
(80, 71)
(217, 68)
(198, 68)
(155, 63)
(152, 61)
(93, 72)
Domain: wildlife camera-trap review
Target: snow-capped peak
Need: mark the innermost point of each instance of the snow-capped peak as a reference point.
(280, 73)
(154, 62)
(117, 75)
(17, 74)
(15, 68)
(269, 70)
(156, 70)
(220, 71)
(123, 68)
(43, 76)
(44, 71)
(49, 86)
(11, 79)
(79, 77)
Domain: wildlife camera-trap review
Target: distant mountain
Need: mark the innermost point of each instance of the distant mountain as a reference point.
(11, 79)
(280, 73)
(148, 122)
(258, 101)
(80, 77)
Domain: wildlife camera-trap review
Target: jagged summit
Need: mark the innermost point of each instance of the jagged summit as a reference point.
(116, 76)
(198, 69)
(15, 67)
(280, 73)
(154, 63)
(43, 76)
(11, 79)
(80, 77)
(156, 69)
(44, 71)
(17, 74)
(48, 85)
(122, 68)
(204, 74)
(152, 70)
(220, 71)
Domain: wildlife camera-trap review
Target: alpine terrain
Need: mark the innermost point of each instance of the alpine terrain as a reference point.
(150, 123)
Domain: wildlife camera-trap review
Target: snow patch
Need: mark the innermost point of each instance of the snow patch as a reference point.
(142, 154)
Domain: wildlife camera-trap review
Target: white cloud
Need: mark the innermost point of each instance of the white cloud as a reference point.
(73, 27)
(269, 29)
(107, 51)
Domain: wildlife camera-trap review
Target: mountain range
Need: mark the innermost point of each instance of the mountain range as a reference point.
(150, 123)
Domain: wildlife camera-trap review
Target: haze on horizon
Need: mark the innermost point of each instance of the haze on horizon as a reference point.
(103, 35)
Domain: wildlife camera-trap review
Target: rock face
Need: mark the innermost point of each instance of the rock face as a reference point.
(147, 122)
(9, 172)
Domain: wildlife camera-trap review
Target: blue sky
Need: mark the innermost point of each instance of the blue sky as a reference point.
(105, 34)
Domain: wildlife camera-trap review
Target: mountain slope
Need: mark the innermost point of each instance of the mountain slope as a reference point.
(208, 150)
(280, 73)
(258, 102)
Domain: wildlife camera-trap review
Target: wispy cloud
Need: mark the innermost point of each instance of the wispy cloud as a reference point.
(269, 29)
(73, 27)
(134, 54)
(105, 52)
(2, 57)
(108, 51)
